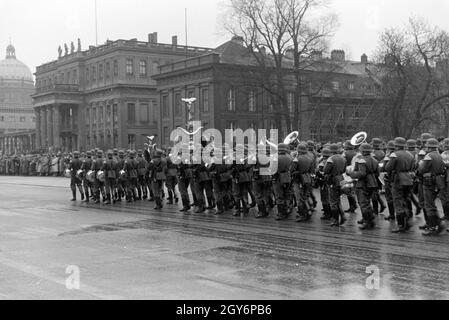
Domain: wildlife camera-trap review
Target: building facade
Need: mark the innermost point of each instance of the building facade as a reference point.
(16, 107)
(338, 97)
(103, 97)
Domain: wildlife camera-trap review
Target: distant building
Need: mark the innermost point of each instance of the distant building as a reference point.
(338, 98)
(16, 107)
(103, 97)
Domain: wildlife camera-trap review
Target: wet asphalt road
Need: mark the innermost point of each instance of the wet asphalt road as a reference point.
(129, 251)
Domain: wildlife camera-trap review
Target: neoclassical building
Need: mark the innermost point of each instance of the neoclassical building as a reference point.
(17, 118)
(103, 97)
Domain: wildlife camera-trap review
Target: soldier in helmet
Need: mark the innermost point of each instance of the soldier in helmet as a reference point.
(379, 155)
(98, 185)
(241, 182)
(158, 175)
(86, 166)
(172, 179)
(388, 182)
(334, 169)
(433, 171)
(110, 170)
(411, 147)
(301, 170)
(262, 184)
(366, 172)
(400, 170)
(130, 166)
(142, 188)
(313, 154)
(349, 154)
(282, 182)
(75, 165)
(322, 184)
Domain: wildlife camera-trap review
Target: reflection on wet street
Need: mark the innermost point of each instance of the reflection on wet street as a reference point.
(130, 251)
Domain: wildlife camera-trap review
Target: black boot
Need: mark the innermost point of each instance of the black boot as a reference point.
(282, 214)
(200, 208)
(391, 216)
(262, 211)
(211, 202)
(219, 208)
(401, 225)
(238, 209)
(87, 196)
(73, 195)
(158, 201)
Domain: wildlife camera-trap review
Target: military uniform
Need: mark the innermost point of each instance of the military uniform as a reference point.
(130, 166)
(110, 170)
(142, 187)
(400, 170)
(282, 182)
(158, 175)
(366, 172)
(172, 181)
(322, 185)
(378, 155)
(388, 181)
(240, 186)
(74, 166)
(97, 164)
(334, 169)
(88, 186)
(301, 170)
(262, 186)
(433, 171)
(349, 155)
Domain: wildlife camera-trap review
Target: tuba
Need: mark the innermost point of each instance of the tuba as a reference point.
(359, 139)
(292, 138)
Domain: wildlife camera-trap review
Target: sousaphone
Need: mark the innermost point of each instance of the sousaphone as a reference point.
(359, 139)
(291, 138)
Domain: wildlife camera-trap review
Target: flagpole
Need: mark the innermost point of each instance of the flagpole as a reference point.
(96, 24)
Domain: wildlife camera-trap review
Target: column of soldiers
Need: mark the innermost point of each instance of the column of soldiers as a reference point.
(411, 173)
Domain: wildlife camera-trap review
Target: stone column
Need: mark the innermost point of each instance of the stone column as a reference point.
(37, 113)
(44, 138)
(56, 127)
(50, 126)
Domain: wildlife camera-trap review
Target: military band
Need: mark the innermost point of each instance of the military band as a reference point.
(409, 174)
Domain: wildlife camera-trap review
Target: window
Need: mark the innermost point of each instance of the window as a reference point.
(94, 116)
(108, 114)
(68, 77)
(205, 99)
(144, 111)
(131, 112)
(129, 67)
(166, 136)
(87, 116)
(351, 86)
(94, 73)
(131, 141)
(231, 100)
(290, 102)
(115, 113)
(101, 116)
(115, 68)
(100, 72)
(335, 85)
(232, 125)
(143, 68)
(2, 119)
(108, 69)
(156, 67)
(252, 101)
(87, 75)
(178, 105)
(165, 111)
(153, 107)
(75, 77)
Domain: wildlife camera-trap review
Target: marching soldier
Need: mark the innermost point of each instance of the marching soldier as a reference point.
(366, 172)
(333, 170)
(110, 171)
(322, 185)
(158, 175)
(379, 155)
(172, 180)
(98, 185)
(399, 169)
(445, 157)
(301, 173)
(142, 189)
(130, 166)
(75, 165)
(282, 182)
(433, 171)
(185, 178)
(388, 182)
(86, 166)
(262, 186)
(411, 147)
(350, 153)
(240, 184)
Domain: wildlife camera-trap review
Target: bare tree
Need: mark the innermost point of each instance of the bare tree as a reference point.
(288, 32)
(412, 84)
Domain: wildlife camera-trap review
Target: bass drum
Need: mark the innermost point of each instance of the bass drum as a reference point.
(101, 176)
(91, 176)
(67, 173)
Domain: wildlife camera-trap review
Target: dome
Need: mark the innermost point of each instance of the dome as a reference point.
(13, 69)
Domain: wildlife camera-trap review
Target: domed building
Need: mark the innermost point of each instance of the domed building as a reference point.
(16, 105)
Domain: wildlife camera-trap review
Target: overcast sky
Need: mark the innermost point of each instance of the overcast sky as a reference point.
(37, 28)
